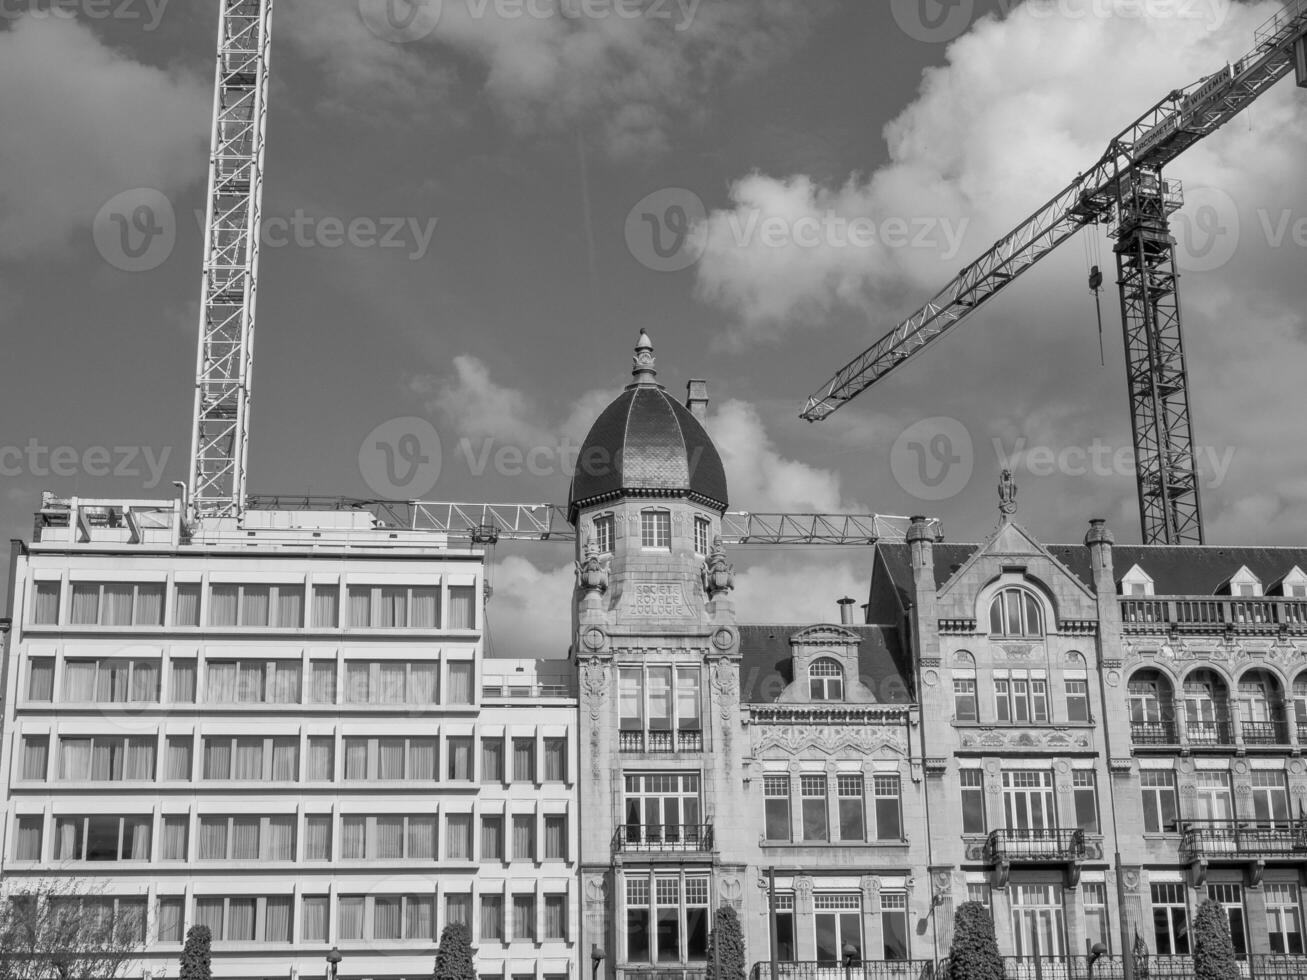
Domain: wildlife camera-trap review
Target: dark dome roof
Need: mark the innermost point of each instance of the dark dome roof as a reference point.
(647, 443)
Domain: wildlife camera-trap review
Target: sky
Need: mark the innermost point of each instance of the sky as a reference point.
(472, 207)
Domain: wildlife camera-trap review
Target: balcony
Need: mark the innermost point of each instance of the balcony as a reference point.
(1219, 732)
(1243, 840)
(1206, 614)
(644, 838)
(1035, 845)
(1265, 732)
(1154, 733)
(856, 970)
(661, 973)
(685, 740)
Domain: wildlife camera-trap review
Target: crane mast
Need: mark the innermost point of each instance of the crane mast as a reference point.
(229, 290)
(1124, 187)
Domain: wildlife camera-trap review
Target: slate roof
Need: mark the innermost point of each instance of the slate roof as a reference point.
(765, 668)
(1174, 569)
(647, 440)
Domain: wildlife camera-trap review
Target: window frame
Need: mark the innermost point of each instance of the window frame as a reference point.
(655, 527)
(827, 686)
(1029, 606)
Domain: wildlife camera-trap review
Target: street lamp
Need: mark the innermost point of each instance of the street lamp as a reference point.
(333, 962)
(1096, 952)
(596, 958)
(850, 955)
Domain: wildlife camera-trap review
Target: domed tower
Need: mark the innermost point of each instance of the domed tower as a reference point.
(657, 655)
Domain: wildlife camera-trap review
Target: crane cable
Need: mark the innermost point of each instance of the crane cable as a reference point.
(1092, 258)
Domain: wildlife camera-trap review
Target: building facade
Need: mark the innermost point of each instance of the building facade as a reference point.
(285, 731)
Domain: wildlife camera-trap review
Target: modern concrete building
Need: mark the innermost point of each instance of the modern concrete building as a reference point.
(284, 730)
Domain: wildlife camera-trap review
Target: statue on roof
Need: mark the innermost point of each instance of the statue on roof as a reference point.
(1007, 494)
(591, 571)
(718, 574)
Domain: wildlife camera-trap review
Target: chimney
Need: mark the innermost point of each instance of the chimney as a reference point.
(846, 611)
(1099, 541)
(696, 399)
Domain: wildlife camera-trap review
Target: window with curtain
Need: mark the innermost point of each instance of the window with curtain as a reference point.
(462, 607)
(424, 608)
(111, 680)
(40, 679)
(555, 916)
(241, 917)
(524, 837)
(186, 605)
(354, 838)
(27, 844)
(276, 919)
(555, 837)
(321, 762)
(458, 909)
(286, 760)
(209, 912)
(387, 917)
(492, 837)
(460, 683)
(106, 758)
(257, 605)
(323, 681)
(492, 918)
(290, 606)
(349, 915)
(224, 602)
(182, 687)
(86, 604)
(390, 682)
(524, 917)
(556, 759)
(421, 837)
(419, 917)
(36, 757)
(117, 604)
(170, 918)
(173, 845)
(45, 604)
(421, 758)
(313, 919)
(279, 842)
(524, 760)
(326, 607)
(317, 837)
(247, 760)
(458, 836)
(102, 838)
(390, 758)
(460, 757)
(492, 759)
(389, 838)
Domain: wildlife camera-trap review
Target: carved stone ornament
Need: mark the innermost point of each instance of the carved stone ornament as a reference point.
(793, 739)
(718, 574)
(591, 570)
(1007, 494)
(594, 685)
(593, 638)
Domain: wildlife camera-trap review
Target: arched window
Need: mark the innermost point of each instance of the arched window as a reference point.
(1016, 612)
(826, 680)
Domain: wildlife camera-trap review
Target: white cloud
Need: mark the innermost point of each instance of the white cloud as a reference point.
(99, 125)
(790, 587)
(530, 610)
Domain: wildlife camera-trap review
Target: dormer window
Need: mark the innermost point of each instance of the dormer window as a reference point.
(656, 529)
(1294, 585)
(1136, 583)
(826, 680)
(1016, 612)
(702, 535)
(1245, 584)
(604, 534)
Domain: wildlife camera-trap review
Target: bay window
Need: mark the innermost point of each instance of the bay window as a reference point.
(660, 708)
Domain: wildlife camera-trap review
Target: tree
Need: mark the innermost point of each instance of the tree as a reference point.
(454, 954)
(65, 930)
(725, 946)
(974, 954)
(196, 961)
(1213, 950)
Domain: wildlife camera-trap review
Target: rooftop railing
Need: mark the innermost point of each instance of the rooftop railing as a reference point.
(1206, 613)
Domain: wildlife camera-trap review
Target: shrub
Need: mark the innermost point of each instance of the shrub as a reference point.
(454, 955)
(196, 960)
(974, 954)
(726, 946)
(1213, 950)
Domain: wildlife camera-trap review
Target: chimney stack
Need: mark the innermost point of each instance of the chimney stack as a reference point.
(846, 611)
(696, 399)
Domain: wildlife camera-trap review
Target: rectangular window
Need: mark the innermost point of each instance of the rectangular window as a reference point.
(631, 698)
(702, 530)
(462, 607)
(812, 790)
(852, 825)
(106, 758)
(656, 529)
(492, 918)
(322, 759)
(1213, 799)
(111, 681)
(1283, 919)
(458, 910)
(639, 920)
(1021, 698)
(390, 682)
(326, 607)
(1094, 897)
(524, 837)
(555, 917)
(894, 925)
(313, 919)
(36, 755)
(1038, 920)
(492, 760)
(460, 683)
(460, 757)
(838, 926)
(786, 950)
(390, 758)
(182, 684)
(458, 836)
(667, 920)
(317, 837)
(186, 605)
(492, 837)
(964, 699)
(972, 786)
(555, 837)
(1077, 700)
(322, 682)
(45, 604)
(1170, 919)
(252, 682)
(604, 534)
(256, 605)
(117, 604)
(1230, 897)
(178, 759)
(102, 838)
(170, 918)
(394, 607)
(386, 917)
(173, 847)
(696, 917)
(662, 807)
(27, 845)
(1270, 798)
(251, 758)
(1085, 788)
(776, 806)
(889, 819)
(524, 760)
(556, 760)
(978, 892)
(524, 917)
(40, 679)
(1158, 789)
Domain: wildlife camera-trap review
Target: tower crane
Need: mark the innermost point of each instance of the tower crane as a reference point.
(229, 291)
(1125, 189)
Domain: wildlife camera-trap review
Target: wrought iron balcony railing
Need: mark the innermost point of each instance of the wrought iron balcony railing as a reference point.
(856, 969)
(684, 740)
(1035, 845)
(1265, 732)
(1218, 732)
(657, 837)
(662, 973)
(1243, 840)
(1154, 733)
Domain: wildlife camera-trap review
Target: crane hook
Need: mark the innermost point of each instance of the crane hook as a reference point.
(1095, 285)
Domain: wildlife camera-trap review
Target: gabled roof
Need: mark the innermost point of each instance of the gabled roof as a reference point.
(766, 666)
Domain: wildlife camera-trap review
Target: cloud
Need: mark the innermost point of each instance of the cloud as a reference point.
(627, 71)
(99, 125)
(530, 611)
(990, 137)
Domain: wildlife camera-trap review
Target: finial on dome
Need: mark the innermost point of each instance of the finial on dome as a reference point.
(644, 360)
